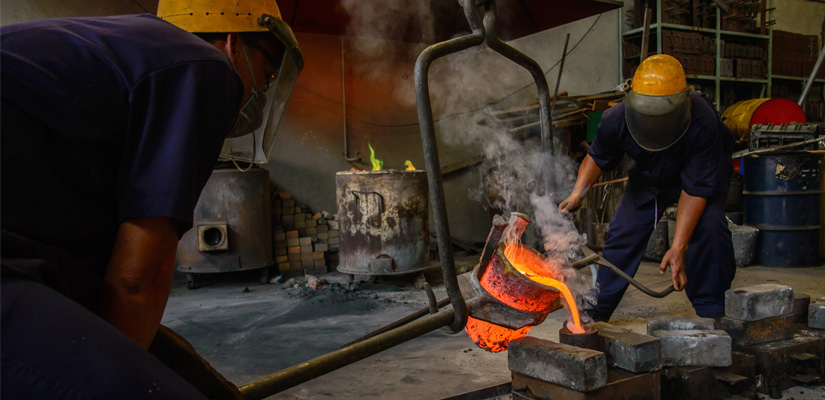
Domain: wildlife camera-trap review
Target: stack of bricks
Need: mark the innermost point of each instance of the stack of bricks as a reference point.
(304, 243)
(747, 61)
(694, 50)
(742, 15)
(794, 54)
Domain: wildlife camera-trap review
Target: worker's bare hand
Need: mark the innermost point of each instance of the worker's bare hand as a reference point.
(675, 259)
(571, 204)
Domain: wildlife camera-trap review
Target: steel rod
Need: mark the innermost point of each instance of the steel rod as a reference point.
(621, 274)
(326, 363)
(812, 78)
(547, 169)
(429, 143)
(401, 322)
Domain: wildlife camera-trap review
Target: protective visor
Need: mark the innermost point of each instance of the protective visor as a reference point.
(256, 147)
(657, 122)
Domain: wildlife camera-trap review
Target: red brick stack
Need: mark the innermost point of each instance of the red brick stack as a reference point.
(304, 243)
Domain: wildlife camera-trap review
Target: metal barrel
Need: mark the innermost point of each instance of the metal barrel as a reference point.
(231, 229)
(383, 217)
(782, 198)
(740, 116)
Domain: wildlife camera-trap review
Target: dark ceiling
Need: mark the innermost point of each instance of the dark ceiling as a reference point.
(516, 18)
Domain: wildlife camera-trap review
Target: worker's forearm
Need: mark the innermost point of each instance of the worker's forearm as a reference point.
(589, 172)
(139, 277)
(688, 211)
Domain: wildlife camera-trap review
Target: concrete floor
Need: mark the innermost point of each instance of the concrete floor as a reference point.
(247, 331)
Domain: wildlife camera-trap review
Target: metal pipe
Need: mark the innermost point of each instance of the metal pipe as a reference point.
(344, 105)
(511, 53)
(326, 363)
(428, 140)
(812, 78)
(401, 322)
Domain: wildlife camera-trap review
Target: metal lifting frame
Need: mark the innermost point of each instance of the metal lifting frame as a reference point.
(483, 31)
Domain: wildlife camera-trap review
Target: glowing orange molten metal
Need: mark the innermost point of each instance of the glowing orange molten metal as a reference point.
(537, 269)
(492, 337)
(520, 294)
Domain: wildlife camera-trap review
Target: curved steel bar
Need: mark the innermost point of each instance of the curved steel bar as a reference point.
(436, 186)
(513, 54)
(329, 362)
(635, 283)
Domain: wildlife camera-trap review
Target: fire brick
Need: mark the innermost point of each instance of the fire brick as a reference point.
(620, 385)
(292, 235)
(695, 348)
(758, 302)
(628, 350)
(306, 249)
(747, 333)
(293, 242)
(293, 249)
(306, 241)
(679, 324)
(572, 367)
(321, 247)
(816, 314)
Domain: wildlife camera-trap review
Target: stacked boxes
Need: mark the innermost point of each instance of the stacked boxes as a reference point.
(794, 54)
(694, 50)
(305, 243)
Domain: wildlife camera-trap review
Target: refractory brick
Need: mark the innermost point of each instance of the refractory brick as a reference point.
(753, 303)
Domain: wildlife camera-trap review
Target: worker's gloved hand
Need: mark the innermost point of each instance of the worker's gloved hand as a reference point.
(675, 259)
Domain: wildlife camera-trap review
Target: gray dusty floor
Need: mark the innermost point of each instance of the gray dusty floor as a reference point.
(247, 331)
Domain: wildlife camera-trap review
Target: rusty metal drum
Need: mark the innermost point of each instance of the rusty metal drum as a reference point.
(231, 229)
(383, 217)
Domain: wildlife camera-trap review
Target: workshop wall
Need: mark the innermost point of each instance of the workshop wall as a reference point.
(12, 11)
(380, 108)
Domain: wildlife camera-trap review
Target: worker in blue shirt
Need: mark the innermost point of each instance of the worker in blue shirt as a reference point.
(682, 153)
(111, 127)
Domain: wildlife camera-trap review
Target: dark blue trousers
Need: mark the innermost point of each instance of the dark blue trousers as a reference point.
(52, 348)
(709, 263)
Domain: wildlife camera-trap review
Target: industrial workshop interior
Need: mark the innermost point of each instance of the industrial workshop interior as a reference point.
(444, 199)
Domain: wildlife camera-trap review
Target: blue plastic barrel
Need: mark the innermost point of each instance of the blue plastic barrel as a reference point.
(781, 198)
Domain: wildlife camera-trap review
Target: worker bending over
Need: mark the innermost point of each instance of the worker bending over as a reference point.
(111, 127)
(682, 153)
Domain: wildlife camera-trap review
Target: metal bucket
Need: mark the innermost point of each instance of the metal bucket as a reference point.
(383, 222)
(782, 198)
(232, 229)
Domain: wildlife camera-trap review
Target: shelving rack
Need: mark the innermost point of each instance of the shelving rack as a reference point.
(717, 81)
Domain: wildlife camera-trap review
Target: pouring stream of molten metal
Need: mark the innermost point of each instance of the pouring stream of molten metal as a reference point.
(512, 250)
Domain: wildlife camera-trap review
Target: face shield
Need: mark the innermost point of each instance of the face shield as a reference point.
(256, 146)
(657, 122)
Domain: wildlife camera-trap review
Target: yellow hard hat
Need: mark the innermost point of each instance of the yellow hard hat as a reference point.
(658, 107)
(202, 16)
(659, 75)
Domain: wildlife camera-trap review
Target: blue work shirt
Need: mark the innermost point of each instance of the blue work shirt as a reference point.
(104, 120)
(697, 163)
